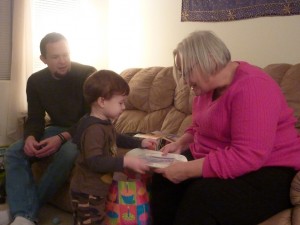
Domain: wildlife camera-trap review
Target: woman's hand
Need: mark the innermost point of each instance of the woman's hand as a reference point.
(180, 145)
(173, 147)
(181, 171)
(176, 172)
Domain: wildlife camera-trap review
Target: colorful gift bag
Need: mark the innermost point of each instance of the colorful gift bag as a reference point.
(128, 202)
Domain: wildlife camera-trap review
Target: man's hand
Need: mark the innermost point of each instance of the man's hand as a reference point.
(48, 146)
(31, 146)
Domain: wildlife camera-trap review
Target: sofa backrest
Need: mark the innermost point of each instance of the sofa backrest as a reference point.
(156, 103)
(288, 78)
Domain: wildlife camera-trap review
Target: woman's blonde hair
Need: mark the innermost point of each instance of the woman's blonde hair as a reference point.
(202, 51)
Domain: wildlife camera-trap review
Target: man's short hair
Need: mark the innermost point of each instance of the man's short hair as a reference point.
(50, 38)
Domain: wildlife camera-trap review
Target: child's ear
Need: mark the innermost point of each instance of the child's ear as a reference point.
(101, 101)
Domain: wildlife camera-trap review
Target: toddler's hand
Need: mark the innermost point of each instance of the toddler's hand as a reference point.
(136, 164)
(149, 143)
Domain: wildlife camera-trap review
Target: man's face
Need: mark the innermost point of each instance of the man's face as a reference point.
(57, 58)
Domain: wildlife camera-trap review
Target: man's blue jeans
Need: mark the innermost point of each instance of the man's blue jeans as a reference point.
(24, 196)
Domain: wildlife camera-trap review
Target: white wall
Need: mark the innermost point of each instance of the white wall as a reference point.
(143, 33)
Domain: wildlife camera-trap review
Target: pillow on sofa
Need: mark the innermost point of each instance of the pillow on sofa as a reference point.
(288, 78)
(151, 89)
(155, 102)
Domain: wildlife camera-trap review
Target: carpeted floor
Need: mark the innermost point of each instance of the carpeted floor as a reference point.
(50, 215)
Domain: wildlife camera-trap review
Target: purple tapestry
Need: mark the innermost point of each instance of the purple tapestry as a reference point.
(228, 10)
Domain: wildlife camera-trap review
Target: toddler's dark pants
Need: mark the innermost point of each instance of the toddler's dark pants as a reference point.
(88, 209)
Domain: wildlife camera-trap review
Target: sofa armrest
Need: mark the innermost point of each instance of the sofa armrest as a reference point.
(295, 199)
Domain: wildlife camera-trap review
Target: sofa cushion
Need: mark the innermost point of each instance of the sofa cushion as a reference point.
(180, 116)
(288, 78)
(281, 218)
(295, 199)
(132, 121)
(183, 99)
(151, 89)
(155, 102)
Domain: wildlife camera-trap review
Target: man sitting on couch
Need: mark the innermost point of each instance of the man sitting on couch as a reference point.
(57, 91)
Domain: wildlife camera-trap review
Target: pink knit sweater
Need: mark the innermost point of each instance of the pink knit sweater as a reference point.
(250, 126)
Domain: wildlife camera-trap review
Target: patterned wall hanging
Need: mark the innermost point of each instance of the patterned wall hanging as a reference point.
(229, 10)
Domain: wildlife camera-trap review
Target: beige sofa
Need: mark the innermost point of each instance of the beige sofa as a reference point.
(156, 103)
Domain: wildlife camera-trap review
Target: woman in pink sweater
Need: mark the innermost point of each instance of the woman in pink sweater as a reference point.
(242, 146)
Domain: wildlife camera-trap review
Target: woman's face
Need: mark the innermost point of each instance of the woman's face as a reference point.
(199, 83)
